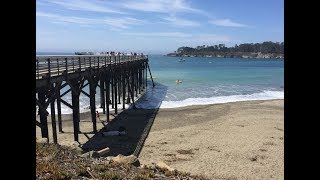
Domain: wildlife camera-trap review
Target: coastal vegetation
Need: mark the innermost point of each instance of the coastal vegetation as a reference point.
(61, 162)
(266, 49)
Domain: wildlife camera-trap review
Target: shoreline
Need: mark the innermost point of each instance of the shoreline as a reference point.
(87, 113)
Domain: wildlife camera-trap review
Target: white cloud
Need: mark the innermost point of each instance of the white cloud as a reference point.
(113, 22)
(180, 22)
(170, 41)
(86, 6)
(160, 34)
(162, 6)
(184, 37)
(207, 39)
(226, 23)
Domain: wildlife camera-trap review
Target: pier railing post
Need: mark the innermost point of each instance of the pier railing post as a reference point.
(49, 68)
(66, 64)
(72, 59)
(79, 61)
(98, 62)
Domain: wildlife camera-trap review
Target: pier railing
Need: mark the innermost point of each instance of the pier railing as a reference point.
(58, 65)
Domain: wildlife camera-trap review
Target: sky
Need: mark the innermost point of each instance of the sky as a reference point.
(154, 26)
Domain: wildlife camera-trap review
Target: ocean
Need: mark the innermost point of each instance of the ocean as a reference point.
(204, 81)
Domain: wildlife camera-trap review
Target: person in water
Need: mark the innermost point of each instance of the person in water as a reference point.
(178, 81)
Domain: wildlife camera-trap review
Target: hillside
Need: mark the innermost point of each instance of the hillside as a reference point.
(266, 49)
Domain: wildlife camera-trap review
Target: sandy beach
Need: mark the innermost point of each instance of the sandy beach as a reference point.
(239, 140)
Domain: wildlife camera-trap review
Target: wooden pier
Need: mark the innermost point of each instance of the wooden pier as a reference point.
(119, 78)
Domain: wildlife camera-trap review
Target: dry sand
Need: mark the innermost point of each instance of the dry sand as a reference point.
(239, 140)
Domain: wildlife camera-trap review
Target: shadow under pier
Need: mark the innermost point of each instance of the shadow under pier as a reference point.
(137, 124)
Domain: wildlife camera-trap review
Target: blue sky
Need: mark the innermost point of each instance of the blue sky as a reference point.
(154, 26)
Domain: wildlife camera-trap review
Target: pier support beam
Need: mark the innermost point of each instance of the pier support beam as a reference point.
(112, 91)
(43, 112)
(146, 70)
(102, 99)
(53, 118)
(119, 77)
(92, 87)
(150, 74)
(108, 97)
(115, 86)
(59, 111)
(123, 90)
(75, 93)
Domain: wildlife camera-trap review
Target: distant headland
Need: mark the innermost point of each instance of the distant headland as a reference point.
(266, 49)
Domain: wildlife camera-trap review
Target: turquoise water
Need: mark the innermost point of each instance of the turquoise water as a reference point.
(205, 81)
(212, 80)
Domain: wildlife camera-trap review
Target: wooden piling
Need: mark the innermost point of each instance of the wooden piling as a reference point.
(108, 97)
(123, 90)
(115, 98)
(53, 120)
(59, 111)
(42, 112)
(92, 87)
(112, 91)
(102, 99)
(75, 93)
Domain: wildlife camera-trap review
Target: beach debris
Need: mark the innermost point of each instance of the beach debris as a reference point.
(103, 151)
(131, 159)
(96, 154)
(163, 165)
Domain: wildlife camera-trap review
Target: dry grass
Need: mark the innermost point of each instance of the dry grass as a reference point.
(59, 162)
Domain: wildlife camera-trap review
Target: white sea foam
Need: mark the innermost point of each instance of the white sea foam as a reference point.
(151, 101)
(265, 95)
